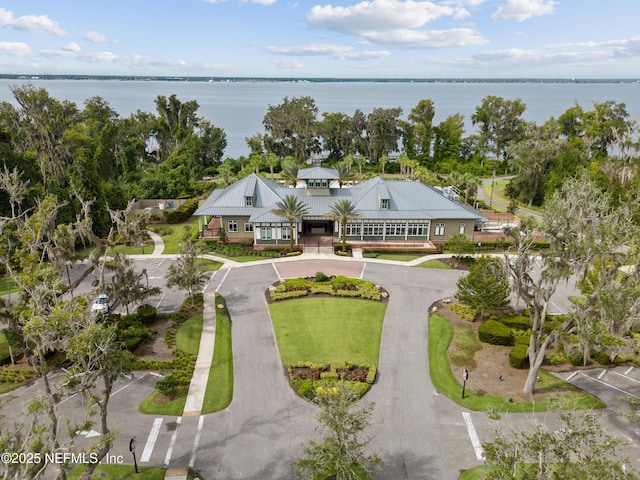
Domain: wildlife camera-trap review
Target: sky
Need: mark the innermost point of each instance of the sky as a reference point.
(322, 38)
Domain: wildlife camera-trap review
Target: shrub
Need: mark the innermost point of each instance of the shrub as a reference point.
(285, 295)
(328, 289)
(320, 277)
(168, 385)
(329, 376)
(182, 213)
(303, 387)
(495, 333)
(297, 284)
(517, 322)
(147, 314)
(518, 357)
(465, 312)
(371, 375)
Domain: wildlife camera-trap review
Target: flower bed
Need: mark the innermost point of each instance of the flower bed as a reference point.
(338, 286)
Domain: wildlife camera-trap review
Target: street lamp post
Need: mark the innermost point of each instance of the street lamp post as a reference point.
(68, 266)
(465, 377)
(142, 246)
(180, 247)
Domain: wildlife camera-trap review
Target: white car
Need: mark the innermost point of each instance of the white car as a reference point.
(102, 304)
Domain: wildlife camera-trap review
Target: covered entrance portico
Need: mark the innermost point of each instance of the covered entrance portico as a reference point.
(321, 226)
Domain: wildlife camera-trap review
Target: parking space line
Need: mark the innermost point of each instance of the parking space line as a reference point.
(204, 289)
(151, 440)
(174, 437)
(610, 386)
(627, 377)
(160, 301)
(364, 265)
(473, 435)
(602, 373)
(629, 370)
(196, 442)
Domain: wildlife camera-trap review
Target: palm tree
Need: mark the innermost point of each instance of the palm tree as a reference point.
(290, 208)
(289, 171)
(343, 211)
(344, 173)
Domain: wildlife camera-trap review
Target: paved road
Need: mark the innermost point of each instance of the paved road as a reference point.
(419, 433)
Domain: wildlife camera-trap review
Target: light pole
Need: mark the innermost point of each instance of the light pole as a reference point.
(465, 377)
(68, 266)
(180, 247)
(142, 245)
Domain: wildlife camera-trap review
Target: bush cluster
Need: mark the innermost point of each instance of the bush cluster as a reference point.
(328, 373)
(8, 375)
(338, 286)
(495, 333)
(518, 356)
(465, 312)
(182, 213)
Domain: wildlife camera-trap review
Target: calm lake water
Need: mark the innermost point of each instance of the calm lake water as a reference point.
(239, 107)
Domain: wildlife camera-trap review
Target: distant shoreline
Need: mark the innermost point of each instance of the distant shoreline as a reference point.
(312, 79)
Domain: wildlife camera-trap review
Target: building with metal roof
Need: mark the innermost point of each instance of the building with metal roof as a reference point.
(391, 211)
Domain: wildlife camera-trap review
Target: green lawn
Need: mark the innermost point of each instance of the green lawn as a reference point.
(435, 263)
(326, 329)
(173, 233)
(474, 473)
(208, 265)
(242, 258)
(220, 384)
(399, 257)
(121, 472)
(440, 336)
(189, 333)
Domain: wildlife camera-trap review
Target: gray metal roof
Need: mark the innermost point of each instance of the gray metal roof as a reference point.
(409, 200)
(318, 172)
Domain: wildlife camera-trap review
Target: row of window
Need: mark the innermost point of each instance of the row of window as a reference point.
(389, 229)
(318, 183)
(358, 229)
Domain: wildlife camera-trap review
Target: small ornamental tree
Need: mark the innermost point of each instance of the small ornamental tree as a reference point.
(340, 455)
(486, 285)
(185, 273)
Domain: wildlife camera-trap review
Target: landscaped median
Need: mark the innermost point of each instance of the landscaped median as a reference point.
(441, 334)
(171, 391)
(327, 337)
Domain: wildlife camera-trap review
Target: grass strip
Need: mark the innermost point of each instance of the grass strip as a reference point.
(220, 384)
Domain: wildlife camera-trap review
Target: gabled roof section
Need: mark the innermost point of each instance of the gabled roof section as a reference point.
(318, 172)
(232, 198)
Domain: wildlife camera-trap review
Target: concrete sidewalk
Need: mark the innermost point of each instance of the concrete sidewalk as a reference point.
(198, 385)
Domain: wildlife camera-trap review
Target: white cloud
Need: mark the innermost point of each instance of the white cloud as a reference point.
(15, 49)
(71, 47)
(427, 39)
(335, 51)
(396, 23)
(96, 37)
(463, 3)
(521, 10)
(377, 15)
(30, 23)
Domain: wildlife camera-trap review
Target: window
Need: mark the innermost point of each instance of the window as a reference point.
(232, 226)
(265, 233)
(439, 229)
(318, 183)
(248, 201)
(248, 227)
(462, 228)
(384, 204)
(286, 233)
(373, 229)
(354, 229)
(395, 229)
(418, 229)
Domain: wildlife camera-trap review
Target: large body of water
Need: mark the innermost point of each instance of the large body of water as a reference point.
(238, 107)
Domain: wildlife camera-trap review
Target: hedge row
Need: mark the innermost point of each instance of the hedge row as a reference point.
(518, 356)
(338, 286)
(495, 333)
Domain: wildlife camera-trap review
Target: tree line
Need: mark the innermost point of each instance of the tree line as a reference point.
(60, 148)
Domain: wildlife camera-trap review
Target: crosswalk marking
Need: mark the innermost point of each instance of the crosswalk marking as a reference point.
(174, 437)
(151, 440)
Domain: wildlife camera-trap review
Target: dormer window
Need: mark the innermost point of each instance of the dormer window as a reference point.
(384, 204)
(248, 201)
